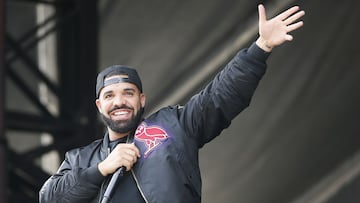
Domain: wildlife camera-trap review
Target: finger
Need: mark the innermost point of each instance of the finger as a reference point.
(294, 17)
(137, 151)
(128, 162)
(125, 147)
(284, 15)
(130, 152)
(127, 165)
(262, 13)
(288, 37)
(131, 157)
(294, 26)
(121, 146)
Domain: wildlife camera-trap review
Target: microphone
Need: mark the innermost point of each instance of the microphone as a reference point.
(110, 189)
(114, 179)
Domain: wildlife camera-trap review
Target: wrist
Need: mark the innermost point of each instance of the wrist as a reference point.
(101, 169)
(264, 45)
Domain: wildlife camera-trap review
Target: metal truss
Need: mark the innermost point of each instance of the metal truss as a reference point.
(75, 25)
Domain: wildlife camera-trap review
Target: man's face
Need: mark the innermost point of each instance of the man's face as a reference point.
(120, 106)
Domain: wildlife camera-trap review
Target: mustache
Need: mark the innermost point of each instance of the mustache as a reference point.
(120, 107)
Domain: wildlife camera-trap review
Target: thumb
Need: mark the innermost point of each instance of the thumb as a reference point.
(262, 13)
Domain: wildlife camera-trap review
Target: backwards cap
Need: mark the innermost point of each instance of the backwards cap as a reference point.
(132, 77)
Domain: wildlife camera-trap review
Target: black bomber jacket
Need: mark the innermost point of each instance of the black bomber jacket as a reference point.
(169, 141)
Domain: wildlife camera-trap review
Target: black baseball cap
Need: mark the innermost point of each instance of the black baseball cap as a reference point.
(131, 73)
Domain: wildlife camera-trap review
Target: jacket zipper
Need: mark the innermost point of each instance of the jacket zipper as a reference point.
(138, 186)
(136, 180)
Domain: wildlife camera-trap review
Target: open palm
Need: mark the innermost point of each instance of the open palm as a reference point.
(275, 31)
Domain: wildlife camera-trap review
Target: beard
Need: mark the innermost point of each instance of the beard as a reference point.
(123, 126)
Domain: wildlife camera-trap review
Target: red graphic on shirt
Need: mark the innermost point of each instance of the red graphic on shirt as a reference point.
(152, 136)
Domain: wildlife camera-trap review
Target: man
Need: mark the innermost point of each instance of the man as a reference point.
(159, 154)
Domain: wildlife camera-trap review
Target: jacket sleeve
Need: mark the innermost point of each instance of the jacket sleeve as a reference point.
(210, 111)
(71, 183)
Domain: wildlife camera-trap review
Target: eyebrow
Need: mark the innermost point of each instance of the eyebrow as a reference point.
(129, 89)
(125, 89)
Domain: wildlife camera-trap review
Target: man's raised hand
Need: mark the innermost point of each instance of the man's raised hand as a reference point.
(275, 31)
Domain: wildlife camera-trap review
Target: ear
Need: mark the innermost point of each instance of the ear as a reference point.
(98, 105)
(142, 100)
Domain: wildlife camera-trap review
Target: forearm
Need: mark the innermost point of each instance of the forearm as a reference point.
(233, 88)
(212, 110)
(75, 185)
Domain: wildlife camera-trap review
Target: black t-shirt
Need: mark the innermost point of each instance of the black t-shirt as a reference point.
(126, 188)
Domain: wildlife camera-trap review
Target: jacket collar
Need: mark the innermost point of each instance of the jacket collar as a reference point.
(105, 145)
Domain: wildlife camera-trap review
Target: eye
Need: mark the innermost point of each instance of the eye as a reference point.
(107, 96)
(129, 93)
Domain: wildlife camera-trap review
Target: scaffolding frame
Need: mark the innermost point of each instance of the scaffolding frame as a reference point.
(75, 23)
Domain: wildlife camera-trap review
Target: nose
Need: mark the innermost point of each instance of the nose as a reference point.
(119, 100)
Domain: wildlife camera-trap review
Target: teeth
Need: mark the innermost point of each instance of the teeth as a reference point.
(120, 113)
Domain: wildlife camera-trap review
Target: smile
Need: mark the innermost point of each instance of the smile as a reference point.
(119, 113)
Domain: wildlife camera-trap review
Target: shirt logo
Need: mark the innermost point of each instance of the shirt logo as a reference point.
(151, 136)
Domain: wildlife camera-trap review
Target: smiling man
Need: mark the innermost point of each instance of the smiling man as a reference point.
(160, 152)
(121, 102)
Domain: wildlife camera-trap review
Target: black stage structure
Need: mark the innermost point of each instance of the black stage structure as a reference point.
(75, 25)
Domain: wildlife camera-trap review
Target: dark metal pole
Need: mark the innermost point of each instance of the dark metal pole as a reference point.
(3, 162)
